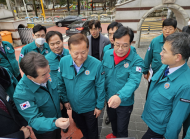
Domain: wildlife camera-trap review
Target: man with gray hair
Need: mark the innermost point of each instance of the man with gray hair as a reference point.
(168, 102)
(37, 100)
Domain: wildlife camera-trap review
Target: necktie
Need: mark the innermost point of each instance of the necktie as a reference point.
(1, 49)
(166, 72)
(59, 57)
(3, 107)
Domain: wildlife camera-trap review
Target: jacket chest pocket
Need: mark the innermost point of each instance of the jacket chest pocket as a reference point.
(68, 79)
(123, 73)
(107, 69)
(42, 98)
(156, 54)
(10, 54)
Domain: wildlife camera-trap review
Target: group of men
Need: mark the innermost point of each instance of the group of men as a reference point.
(92, 71)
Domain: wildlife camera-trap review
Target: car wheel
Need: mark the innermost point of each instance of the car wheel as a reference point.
(59, 24)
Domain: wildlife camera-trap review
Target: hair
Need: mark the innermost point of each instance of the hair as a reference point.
(114, 24)
(96, 23)
(170, 22)
(122, 31)
(180, 43)
(53, 33)
(31, 62)
(77, 39)
(38, 27)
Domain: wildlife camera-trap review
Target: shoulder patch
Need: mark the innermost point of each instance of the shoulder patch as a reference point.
(149, 48)
(21, 55)
(138, 69)
(25, 105)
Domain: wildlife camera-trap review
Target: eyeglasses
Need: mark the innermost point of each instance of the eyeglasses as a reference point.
(123, 46)
(42, 36)
(110, 34)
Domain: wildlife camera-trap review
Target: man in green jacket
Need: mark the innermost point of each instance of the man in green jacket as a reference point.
(8, 59)
(152, 56)
(55, 41)
(37, 100)
(38, 45)
(123, 71)
(111, 30)
(81, 85)
(168, 101)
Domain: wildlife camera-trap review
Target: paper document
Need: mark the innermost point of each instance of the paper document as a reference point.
(150, 73)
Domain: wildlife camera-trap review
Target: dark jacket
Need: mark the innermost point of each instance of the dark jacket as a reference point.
(10, 124)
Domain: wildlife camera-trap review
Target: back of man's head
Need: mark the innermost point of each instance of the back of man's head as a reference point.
(180, 44)
(31, 62)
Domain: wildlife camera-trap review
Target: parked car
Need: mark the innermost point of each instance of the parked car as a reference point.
(68, 20)
(78, 27)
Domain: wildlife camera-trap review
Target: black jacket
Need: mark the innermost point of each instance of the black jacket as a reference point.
(10, 124)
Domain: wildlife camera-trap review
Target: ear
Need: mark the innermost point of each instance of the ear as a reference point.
(30, 77)
(33, 35)
(179, 57)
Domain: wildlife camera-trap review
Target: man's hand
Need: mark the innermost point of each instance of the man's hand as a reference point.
(97, 112)
(114, 101)
(32, 135)
(146, 76)
(62, 123)
(26, 131)
(67, 106)
(61, 106)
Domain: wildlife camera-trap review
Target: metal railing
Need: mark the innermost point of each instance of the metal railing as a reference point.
(25, 35)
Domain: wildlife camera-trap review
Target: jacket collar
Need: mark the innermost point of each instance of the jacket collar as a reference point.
(161, 39)
(178, 72)
(54, 56)
(85, 64)
(130, 57)
(31, 85)
(35, 47)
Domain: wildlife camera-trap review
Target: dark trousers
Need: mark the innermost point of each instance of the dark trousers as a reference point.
(152, 135)
(64, 112)
(119, 119)
(56, 134)
(88, 124)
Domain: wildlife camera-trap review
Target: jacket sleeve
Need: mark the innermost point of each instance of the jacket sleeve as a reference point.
(148, 58)
(61, 85)
(180, 111)
(133, 81)
(32, 115)
(18, 135)
(99, 84)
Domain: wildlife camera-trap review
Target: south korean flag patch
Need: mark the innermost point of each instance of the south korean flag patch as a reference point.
(21, 55)
(138, 69)
(58, 69)
(25, 105)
